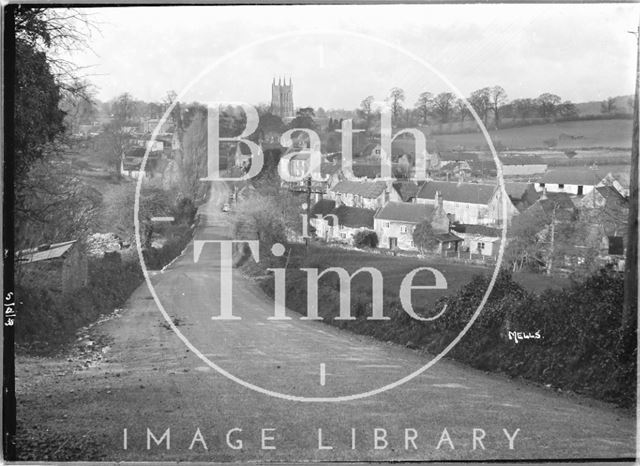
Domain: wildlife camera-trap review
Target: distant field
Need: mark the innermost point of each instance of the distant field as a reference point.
(568, 134)
(394, 269)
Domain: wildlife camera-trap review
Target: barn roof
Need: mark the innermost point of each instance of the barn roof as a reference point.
(405, 212)
(366, 189)
(406, 189)
(323, 207)
(574, 175)
(354, 217)
(516, 190)
(470, 193)
(44, 252)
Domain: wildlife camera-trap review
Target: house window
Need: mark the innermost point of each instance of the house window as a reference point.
(387, 224)
(480, 246)
(560, 186)
(343, 235)
(542, 185)
(403, 229)
(580, 190)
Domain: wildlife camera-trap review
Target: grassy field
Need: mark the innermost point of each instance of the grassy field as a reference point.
(568, 134)
(394, 269)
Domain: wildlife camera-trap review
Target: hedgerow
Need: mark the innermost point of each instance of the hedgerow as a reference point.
(578, 328)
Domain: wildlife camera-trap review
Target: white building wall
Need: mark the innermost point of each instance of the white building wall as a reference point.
(567, 188)
(386, 229)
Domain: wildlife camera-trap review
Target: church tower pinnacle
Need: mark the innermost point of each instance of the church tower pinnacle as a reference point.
(282, 98)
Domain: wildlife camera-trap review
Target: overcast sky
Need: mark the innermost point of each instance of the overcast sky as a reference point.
(580, 52)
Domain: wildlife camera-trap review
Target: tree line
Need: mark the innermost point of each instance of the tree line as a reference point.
(491, 104)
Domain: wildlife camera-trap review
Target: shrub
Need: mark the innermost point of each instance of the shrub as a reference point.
(365, 239)
(579, 328)
(49, 319)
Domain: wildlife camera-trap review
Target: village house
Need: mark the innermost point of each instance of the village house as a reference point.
(479, 239)
(395, 222)
(131, 162)
(558, 206)
(407, 190)
(363, 194)
(575, 180)
(471, 203)
(333, 222)
(619, 180)
(59, 266)
(456, 158)
(149, 126)
(607, 210)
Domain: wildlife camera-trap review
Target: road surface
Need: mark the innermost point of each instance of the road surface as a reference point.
(149, 381)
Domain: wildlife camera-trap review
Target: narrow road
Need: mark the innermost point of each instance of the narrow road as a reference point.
(149, 379)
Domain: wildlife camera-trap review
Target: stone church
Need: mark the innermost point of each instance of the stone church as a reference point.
(282, 99)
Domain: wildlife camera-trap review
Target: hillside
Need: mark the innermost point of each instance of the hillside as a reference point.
(565, 135)
(623, 104)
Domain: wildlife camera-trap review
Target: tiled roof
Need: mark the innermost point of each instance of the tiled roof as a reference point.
(366, 170)
(405, 212)
(448, 237)
(354, 217)
(612, 197)
(516, 190)
(406, 189)
(41, 253)
(471, 193)
(322, 207)
(366, 189)
(575, 176)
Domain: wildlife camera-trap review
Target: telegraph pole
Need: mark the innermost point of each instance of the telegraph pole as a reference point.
(628, 339)
(306, 240)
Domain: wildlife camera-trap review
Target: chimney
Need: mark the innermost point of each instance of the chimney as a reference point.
(544, 194)
(438, 199)
(460, 177)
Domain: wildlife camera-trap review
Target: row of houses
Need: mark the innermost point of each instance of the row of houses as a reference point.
(467, 217)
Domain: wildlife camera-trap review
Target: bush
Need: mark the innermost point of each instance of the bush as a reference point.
(49, 319)
(579, 328)
(365, 239)
(184, 212)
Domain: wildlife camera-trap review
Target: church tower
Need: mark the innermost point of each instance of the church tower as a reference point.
(282, 98)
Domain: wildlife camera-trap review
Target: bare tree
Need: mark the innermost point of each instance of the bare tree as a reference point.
(498, 98)
(365, 110)
(443, 106)
(548, 104)
(192, 158)
(424, 106)
(396, 98)
(480, 100)
(608, 105)
(461, 110)
(523, 107)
